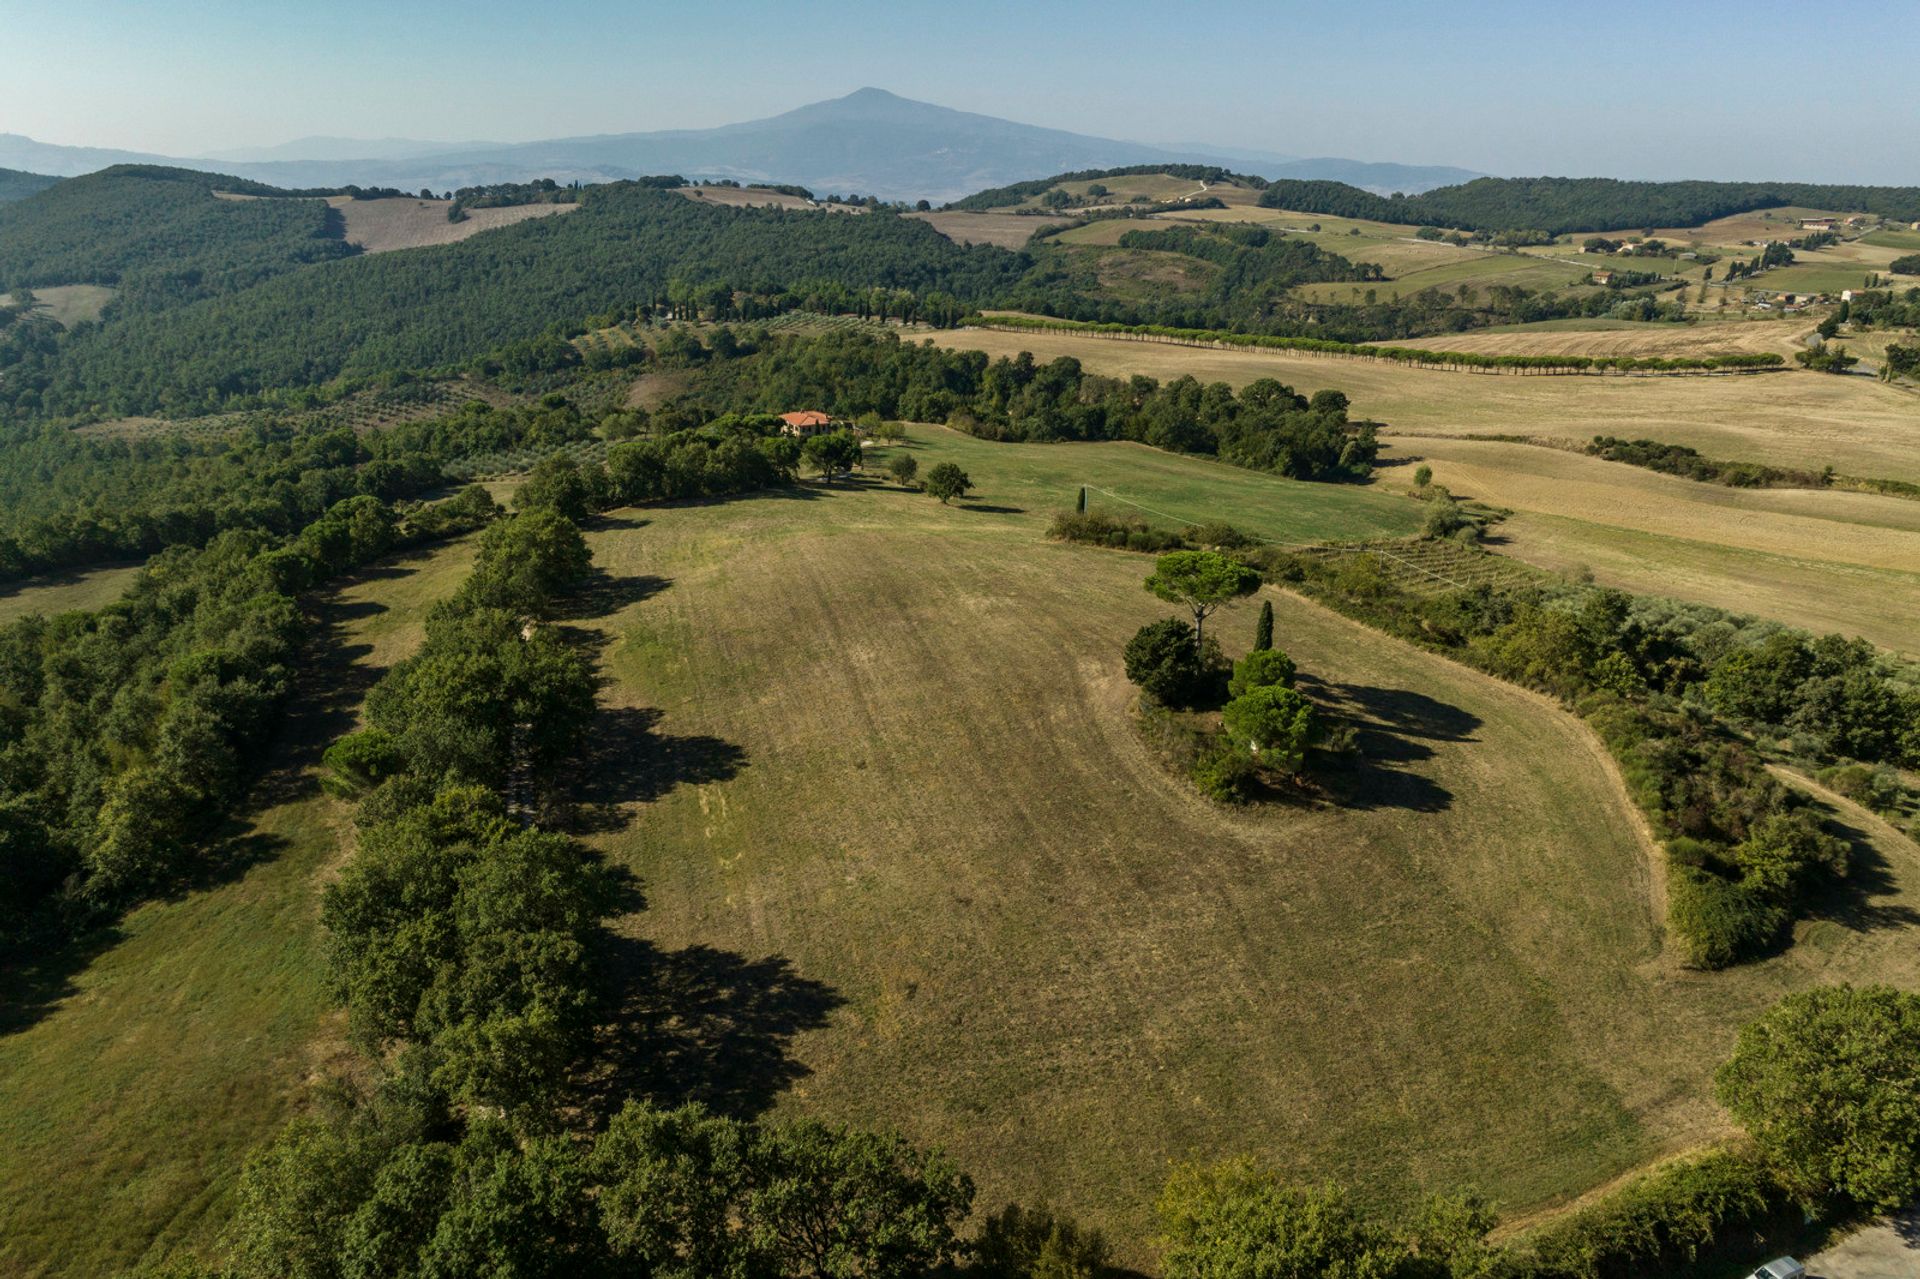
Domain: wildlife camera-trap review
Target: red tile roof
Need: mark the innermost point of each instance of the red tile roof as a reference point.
(807, 417)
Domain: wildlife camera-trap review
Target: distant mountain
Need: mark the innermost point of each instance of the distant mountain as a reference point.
(1381, 179)
(869, 142)
(336, 150)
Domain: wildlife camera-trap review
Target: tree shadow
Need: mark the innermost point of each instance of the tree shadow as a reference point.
(703, 1024)
(628, 762)
(1392, 729)
(602, 595)
(994, 510)
(1860, 902)
(32, 985)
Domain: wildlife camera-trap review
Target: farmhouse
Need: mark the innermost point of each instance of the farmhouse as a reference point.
(805, 423)
(1603, 277)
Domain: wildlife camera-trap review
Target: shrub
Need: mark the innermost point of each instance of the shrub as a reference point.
(1261, 668)
(1037, 1243)
(1716, 920)
(1275, 725)
(1163, 658)
(903, 469)
(1224, 772)
(1422, 475)
(365, 758)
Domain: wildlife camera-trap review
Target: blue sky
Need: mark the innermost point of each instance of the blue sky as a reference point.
(1708, 89)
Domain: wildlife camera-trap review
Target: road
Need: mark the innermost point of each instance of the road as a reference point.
(1886, 1250)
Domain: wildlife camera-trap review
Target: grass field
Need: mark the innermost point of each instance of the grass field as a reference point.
(1624, 337)
(134, 1080)
(1815, 558)
(1007, 230)
(1465, 266)
(63, 592)
(1855, 424)
(381, 226)
(69, 304)
(902, 776)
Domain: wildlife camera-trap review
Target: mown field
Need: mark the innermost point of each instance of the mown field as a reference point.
(909, 785)
(1007, 230)
(1625, 337)
(382, 226)
(1855, 424)
(138, 1071)
(63, 592)
(1821, 559)
(69, 304)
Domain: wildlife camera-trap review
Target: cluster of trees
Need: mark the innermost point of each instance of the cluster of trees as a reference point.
(1678, 459)
(1826, 358)
(1908, 265)
(1266, 727)
(503, 194)
(1776, 253)
(1266, 426)
(161, 236)
(127, 733)
(1560, 205)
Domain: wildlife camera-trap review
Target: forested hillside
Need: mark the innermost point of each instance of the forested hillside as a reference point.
(17, 185)
(1018, 192)
(1560, 205)
(446, 305)
(161, 235)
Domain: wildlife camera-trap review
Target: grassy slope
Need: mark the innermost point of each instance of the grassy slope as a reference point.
(63, 592)
(1051, 957)
(1825, 560)
(133, 1084)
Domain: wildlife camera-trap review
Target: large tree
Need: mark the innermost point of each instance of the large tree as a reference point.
(1275, 725)
(1202, 581)
(1828, 1084)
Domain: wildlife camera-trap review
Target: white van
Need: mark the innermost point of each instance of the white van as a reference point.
(1780, 1268)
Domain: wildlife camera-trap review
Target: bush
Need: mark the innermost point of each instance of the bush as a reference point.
(366, 758)
(1224, 772)
(1163, 658)
(1275, 725)
(1716, 920)
(903, 469)
(1037, 1243)
(1261, 668)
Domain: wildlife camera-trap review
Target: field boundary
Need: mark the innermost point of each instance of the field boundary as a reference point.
(1411, 357)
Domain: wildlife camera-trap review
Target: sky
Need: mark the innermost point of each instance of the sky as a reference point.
(1710, 89)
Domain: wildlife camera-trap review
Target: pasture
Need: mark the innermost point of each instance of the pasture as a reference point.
(68, 304)
(900, 781)
(1855, 424)
(1006, 230)
(1821, 559)
(64, 592)
(1782, 336)
(137, 1069)
(382, 226)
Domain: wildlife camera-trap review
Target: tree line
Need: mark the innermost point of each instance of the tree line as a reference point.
(1560, 205)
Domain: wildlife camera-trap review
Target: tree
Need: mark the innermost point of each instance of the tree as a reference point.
(1828, 1084)
(1827, 359)
(903, 469)
(1261, 668)
(947, 481)
(1164, 660)
(1202, 581)
(1037, 1243)
(831, 453)
(1236, 1221)
(1275, 724)
(1422, 475)
(1263, 629)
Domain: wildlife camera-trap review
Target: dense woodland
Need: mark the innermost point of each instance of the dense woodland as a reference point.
(1559, 205)
(16, 184)
(162, 237)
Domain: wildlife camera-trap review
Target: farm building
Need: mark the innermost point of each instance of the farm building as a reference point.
(805, 423)
(1603, 277)
(1817, 224)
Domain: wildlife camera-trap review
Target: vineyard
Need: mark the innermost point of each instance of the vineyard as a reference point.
(362, 412)
(1430, 567)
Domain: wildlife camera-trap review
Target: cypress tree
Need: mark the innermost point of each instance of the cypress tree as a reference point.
(1083, 500)
(1263, 629)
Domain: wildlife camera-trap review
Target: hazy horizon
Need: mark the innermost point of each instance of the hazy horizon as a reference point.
(1511, 89)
